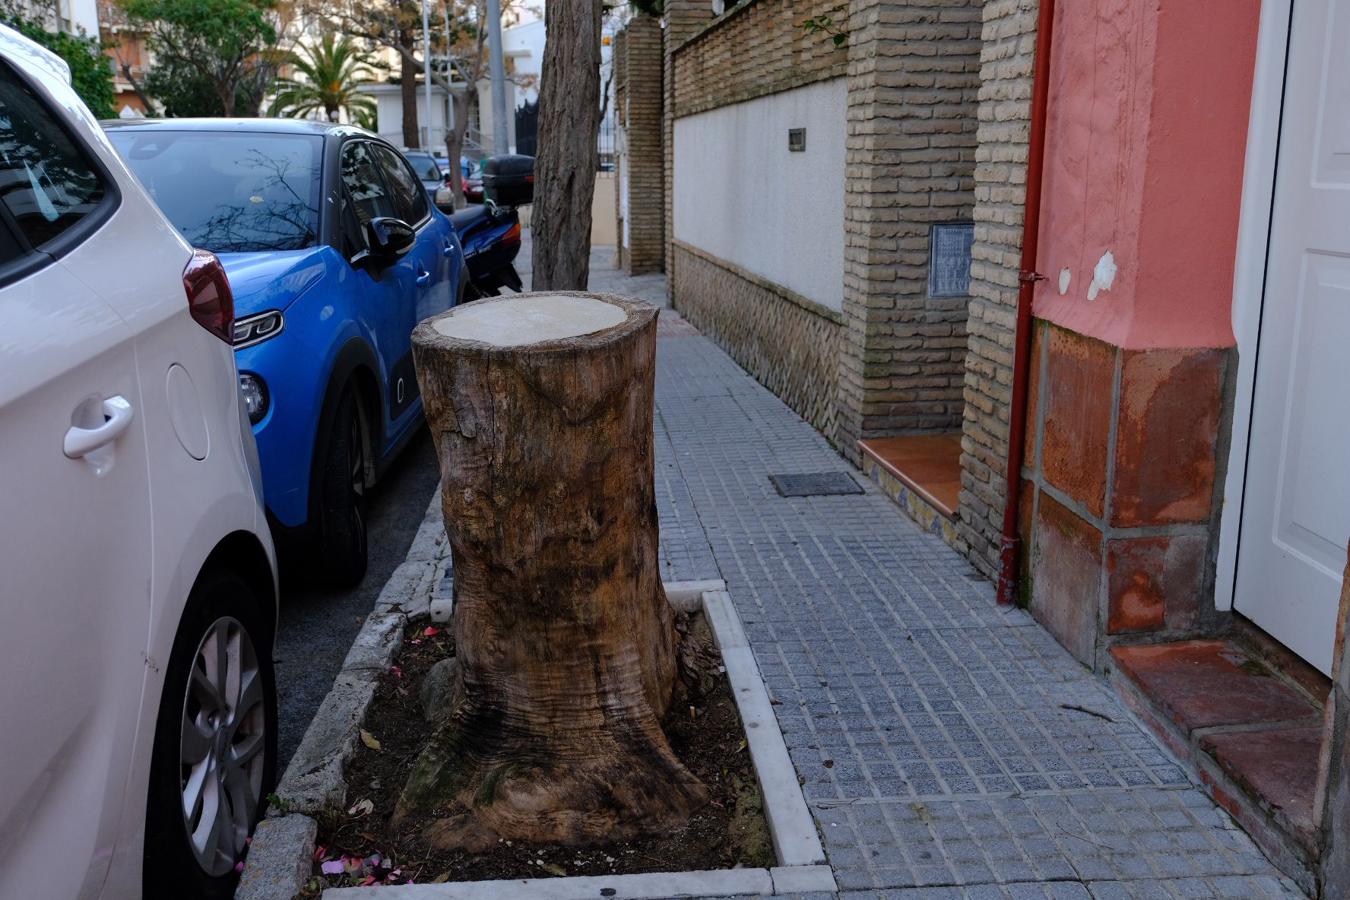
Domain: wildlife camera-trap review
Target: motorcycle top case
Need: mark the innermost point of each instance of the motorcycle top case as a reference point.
(508, 180)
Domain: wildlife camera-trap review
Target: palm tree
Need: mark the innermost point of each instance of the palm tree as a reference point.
(330, 73)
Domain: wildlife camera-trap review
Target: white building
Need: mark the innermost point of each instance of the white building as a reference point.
(389, 116)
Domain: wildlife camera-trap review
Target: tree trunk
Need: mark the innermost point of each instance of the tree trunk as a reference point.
(564, 639)
(569, 122)
(454, 144)
(412, 137)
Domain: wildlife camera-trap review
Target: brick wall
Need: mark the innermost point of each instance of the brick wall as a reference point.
(913, 74)
(755, 49)
(643, 127)
(619, 55)
(683, 19)
(1006, 64)
(787, 342)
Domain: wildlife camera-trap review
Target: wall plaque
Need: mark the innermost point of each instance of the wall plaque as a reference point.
(949, 259)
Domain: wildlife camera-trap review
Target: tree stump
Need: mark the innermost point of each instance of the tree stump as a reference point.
(541, 409)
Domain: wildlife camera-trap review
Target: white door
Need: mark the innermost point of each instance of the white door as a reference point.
(75, 558)
(1296, 501)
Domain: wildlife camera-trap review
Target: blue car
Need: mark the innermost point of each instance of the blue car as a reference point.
(334, 252)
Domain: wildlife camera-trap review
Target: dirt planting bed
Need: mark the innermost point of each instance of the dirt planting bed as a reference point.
(359, 845)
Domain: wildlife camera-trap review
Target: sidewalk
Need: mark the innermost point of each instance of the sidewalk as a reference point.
(947, 748)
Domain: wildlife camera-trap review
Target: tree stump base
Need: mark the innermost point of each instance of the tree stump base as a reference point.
(541, 407)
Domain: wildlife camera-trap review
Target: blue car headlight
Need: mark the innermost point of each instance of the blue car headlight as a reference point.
(257, 328)
(253, 391)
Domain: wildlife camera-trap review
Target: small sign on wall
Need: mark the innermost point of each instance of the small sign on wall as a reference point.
(796, 140)
(949, 259)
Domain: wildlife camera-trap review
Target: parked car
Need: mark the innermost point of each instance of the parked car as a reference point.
(139, 584)
(334, 253)
(471, 184)
(428, 170)
(465, 164)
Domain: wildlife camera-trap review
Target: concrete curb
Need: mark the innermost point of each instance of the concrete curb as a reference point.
(283, 845)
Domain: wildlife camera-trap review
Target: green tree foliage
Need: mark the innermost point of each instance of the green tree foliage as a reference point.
(90, 73)
(212, 57)
(329, 75)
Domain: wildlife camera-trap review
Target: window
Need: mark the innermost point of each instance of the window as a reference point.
(230, 192)
(365, 186)
(409, 198)
(424, 166)
(47, 184)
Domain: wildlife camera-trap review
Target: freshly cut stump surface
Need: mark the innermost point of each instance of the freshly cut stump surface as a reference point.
(541, 408)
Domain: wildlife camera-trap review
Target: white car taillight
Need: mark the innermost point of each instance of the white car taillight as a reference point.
(210, 300)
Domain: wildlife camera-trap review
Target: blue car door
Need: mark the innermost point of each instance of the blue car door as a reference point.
(432, 269)
(388, 299)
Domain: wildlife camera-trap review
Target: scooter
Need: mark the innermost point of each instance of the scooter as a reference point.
(490, 231)
(490, 235)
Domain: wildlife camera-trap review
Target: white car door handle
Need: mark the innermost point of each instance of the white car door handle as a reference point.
(81, 441)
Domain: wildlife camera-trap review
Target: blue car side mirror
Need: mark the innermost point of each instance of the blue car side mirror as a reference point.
(388, 238)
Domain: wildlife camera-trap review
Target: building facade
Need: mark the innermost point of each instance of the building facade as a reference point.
(846, 211)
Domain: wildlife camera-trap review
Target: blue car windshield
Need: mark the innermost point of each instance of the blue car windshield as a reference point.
(230, 192)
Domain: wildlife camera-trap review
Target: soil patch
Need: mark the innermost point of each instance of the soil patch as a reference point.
(358, 845)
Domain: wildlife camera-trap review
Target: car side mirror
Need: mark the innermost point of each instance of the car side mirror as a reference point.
(388, 238)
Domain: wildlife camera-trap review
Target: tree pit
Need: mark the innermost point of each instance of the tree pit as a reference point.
(702, 726)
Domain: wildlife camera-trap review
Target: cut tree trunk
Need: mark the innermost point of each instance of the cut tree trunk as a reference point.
(541, 409)
(569, 123)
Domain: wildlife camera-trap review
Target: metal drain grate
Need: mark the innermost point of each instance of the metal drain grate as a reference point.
(815, 484)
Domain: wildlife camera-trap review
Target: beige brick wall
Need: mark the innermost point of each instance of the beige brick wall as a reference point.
(643, 126)
(619, 54)
(913, 71)
(1006, 65)
(787, 342)
(755, 49)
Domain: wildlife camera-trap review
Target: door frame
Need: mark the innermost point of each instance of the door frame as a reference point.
(1249, 271)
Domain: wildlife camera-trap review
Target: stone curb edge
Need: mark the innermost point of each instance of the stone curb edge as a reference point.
(278, 863)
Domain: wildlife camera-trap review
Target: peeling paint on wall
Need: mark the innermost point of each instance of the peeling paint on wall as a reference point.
(1103, 276)
(1065, 276)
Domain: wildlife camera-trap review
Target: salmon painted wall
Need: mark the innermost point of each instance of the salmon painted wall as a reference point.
(1146, 136)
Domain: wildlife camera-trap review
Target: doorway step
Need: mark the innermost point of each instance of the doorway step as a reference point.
(921, 473)
(1246, 716)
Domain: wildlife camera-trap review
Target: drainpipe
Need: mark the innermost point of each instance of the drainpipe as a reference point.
(1010, 546)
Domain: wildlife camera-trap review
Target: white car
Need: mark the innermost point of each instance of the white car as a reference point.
(137, 578)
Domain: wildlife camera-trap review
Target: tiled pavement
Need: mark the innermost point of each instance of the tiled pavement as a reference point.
(947, 748)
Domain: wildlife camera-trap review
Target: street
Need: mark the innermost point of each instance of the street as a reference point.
(317, 624)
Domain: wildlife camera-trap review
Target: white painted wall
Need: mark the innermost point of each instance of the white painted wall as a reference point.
(741, 196)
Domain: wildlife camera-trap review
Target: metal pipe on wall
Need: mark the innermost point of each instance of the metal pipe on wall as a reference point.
(1010, 545)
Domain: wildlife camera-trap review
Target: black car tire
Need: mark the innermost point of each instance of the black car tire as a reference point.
(171, 869)
(340, 559)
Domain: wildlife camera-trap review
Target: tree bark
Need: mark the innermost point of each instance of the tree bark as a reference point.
(412, 137)
(569, 122)
(564, 639)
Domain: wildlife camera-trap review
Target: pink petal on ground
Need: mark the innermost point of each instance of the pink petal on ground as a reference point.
(430, 631)
(332, 867)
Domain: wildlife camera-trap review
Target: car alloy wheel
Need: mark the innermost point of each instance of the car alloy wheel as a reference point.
(222, 742)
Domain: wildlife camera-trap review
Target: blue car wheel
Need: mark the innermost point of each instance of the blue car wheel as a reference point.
(342, 498)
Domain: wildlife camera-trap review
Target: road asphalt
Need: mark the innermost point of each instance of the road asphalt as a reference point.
(318, 624)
